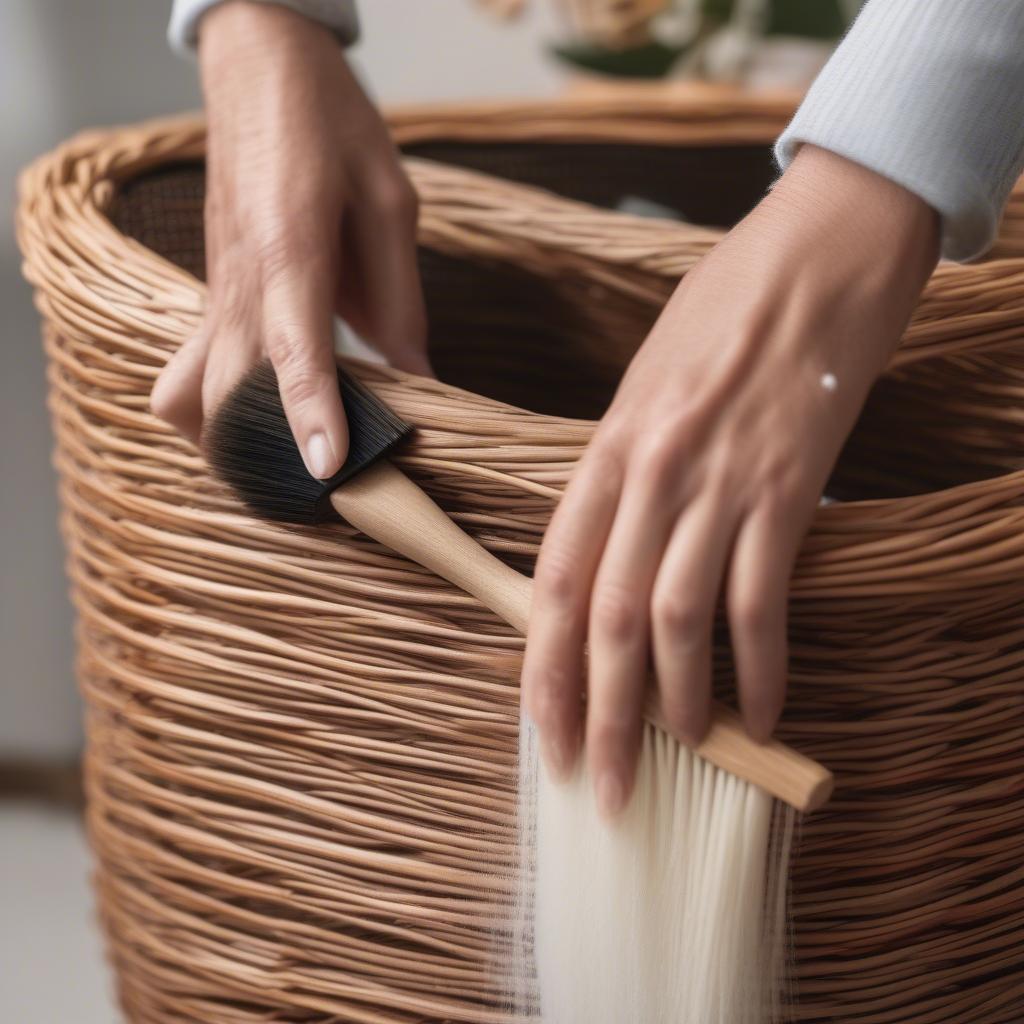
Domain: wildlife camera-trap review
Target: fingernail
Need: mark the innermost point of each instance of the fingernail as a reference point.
(611, 795)
(319, 457)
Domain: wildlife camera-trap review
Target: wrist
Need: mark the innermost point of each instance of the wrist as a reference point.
(858, 218)
(841, 254)
(241, 37)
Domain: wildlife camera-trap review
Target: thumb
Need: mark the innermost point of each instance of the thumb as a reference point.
(298, 328)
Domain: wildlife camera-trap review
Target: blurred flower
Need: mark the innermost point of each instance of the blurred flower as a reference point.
(762, 42)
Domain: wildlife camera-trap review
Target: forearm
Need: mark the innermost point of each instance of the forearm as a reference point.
(929, 95)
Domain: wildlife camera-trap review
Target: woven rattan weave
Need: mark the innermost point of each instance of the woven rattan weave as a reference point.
(301, 748)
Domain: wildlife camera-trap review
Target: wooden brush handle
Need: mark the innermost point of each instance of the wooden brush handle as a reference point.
(386, 505)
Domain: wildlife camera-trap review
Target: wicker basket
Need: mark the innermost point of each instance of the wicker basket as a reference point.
(301, 747)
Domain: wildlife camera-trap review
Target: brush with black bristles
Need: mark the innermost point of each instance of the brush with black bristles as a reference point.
(251, 447)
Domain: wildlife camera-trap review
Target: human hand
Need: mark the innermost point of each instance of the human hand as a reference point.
(705, 472)
(308, 212)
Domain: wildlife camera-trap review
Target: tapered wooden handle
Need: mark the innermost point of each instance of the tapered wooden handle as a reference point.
(386, 505)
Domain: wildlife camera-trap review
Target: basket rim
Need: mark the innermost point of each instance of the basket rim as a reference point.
(691, 114)
(71, 188)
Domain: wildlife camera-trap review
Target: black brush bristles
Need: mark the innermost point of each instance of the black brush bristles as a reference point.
(251, 448)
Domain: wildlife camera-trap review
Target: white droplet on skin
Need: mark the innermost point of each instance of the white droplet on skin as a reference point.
(829, 381)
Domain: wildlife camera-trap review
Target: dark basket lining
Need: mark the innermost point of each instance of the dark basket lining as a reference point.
(553, 347)
(713, 185)
(494, 329)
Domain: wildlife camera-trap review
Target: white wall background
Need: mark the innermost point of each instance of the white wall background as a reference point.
(70, 64)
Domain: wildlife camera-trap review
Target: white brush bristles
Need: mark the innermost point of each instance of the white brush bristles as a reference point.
(675, 914)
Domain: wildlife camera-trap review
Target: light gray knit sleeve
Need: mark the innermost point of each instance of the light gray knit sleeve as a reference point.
(337, 15)
(930, 94)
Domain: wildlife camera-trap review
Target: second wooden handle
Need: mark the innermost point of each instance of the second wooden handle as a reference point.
(386, 505)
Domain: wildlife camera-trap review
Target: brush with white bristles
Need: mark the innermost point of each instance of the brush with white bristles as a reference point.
(674, 914)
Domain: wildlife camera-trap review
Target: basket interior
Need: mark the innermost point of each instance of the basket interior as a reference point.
(560, 347)
(713, 185)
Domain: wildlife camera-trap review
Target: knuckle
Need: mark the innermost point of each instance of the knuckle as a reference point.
(232, 270)
(750, 613)
(276, 254)
(299, 389)
(688, 419)
(601, 468)
(615, 613)
(781, 485)
(557, 576)
(674, 613)
(394, 197)
(299, 382)
(231, 304)
(611, 438)
(663, 460)
(285, 243)
(660, 460)
(281, 346)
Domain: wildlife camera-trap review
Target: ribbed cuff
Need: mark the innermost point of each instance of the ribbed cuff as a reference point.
(337, 15)
(930, 96)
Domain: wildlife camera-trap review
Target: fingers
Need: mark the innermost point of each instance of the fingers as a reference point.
(235, 349)
(177, 394)
(382, 293)
(298, 334)
(282, 300)
(682, 615)
(757, 595)
(552, 679)
(619, 636)
(296, 329)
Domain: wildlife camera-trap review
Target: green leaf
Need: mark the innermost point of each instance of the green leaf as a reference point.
(718, 10)
(813, 19)
(652, 60)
